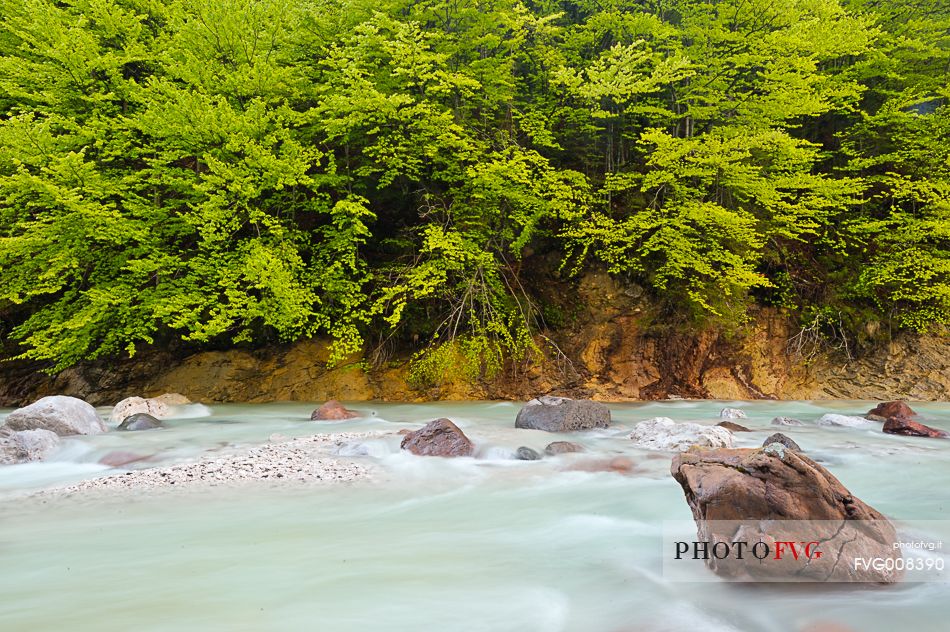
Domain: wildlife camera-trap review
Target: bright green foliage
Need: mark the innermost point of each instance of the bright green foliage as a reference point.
(244, 171)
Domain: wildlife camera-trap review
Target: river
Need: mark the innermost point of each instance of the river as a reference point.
(485, 543)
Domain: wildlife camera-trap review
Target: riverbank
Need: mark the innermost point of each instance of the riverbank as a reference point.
(609, 353)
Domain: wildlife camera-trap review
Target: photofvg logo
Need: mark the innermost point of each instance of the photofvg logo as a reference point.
(871, 551)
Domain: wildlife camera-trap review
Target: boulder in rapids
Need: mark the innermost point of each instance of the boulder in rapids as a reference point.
(562, 447)
(778, 437)
(140, 421)
(886, 410)
(732, 413)
(774, 494)
(561, 414)
(24, 446)
(850, 421)
(333, 411)
(139, 405)
(910, 428)
(59, 414)
(438, 438)
(524, 453)
(787, 421)
(662, 433)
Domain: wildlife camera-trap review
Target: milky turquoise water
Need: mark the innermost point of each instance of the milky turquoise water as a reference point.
(482, 543)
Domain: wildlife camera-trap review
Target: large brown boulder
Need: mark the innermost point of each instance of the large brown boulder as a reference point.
(561, 414)
(438, 438)
(774, 494)
(909, 428)
(333, 411)
(885, 410)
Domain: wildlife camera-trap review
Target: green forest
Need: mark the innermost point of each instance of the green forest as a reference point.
(408, 173)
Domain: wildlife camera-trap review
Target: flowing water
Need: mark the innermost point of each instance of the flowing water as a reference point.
(485, 543)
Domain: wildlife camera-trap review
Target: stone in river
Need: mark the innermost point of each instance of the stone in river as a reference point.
(561, 414)
(57, 413)
(732, 413)
(525, 453)
(886, 410)
(777, 494)
(24, 446)
(438, 438)
(778, 437)
(910, 428)
(562, 447)
(140, 421)
(333, 411)
(662, 433)
(851, 421)
(733, 426)
(134, 405)
(787, 421)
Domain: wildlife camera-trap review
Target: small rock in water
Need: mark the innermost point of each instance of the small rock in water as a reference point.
(732, 413)
(787, 421)
(129, 406)
(909, 428)
(733, 426)
(140, 421)
(886, 410)
(561, 414)
(662, 433)
(438, 438)
(333, 411)
(172, 399)
(850, 421)
(562, 447)
(57, 413)
(25, 446)
(778, 437)
(525, 453)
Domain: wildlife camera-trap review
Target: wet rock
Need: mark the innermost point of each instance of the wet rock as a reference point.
(57, 413)
(560, 414)
(910, 428)
(662, 433)
(787, 421)
(172, 399)
(777, 494)
(119, 458)
(849, 421)
(404, 431)
(525, 453)
(778, 437)
(333, 411)
(140, 421)
(438, 438)
(886, 410)
(25, 446)
(562, 447)
(732, 413)
(139, 405)
(733, 426)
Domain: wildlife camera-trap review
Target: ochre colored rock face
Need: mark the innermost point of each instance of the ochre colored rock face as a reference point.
(438, 438)
(740, 493)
